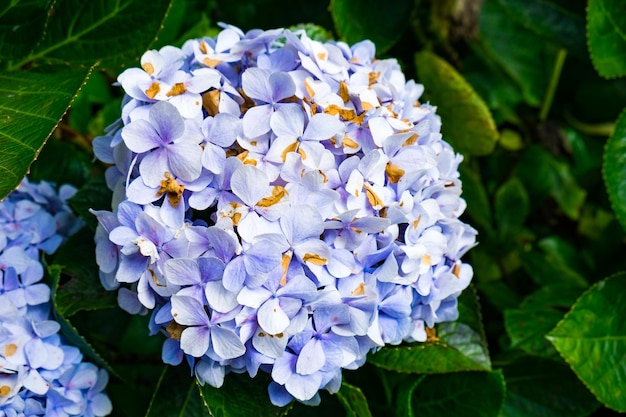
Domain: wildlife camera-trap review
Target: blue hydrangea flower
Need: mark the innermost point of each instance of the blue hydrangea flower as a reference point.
(303, 214)
(39, 373)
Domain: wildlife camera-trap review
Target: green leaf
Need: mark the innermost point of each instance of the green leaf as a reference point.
(606, 33)
(545, 269)
(458, 346)
(353, 400)
(356, 20)
(537, 387)
(467, 394)
(62, 163)
(529, 63)
(511, 206)
(93, 195)
(31, 106)
(109, 32)
(22, 24)
(614, 169)
(176, 394)
(544, 175)
(474, 193)
(552, 20)
(466, 121)
(69, 331)
(592, 339)
(80, 288)
(528, 324)
(241, 396)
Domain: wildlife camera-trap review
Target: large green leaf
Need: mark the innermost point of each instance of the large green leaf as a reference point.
(529, 63)
(528, 324)
(22, 24)
(81, 288)
(111, 32)
(241, 396)
(466, 121)
(606, 32)
(592, 339)
(467, 394)
(552, 20)
(614, 169)
(31, 105)
(511, 206)
(353, 400)
(176, 395)
(356, 20)
(537, 387)
(458, 346)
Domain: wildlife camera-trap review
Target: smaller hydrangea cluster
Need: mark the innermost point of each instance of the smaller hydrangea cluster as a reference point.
(280, 204)
(39, 373)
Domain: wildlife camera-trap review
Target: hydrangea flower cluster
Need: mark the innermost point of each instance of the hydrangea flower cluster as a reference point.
(39, 373)
(280, 204)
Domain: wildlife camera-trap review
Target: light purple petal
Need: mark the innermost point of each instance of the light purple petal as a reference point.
(272, 318)
(185, 160)
(219, 298)
(256, 121)
(188, 311)
(282, 86)
(250, 184)
(167, 121)
(154, 166)
(101, 405)
(288, 120)
(226, 343)
(300, 223)
(235, 274)
(323, 126)
(140, 136)
(255, 83)
(194, 341)
(37, 294)
(182, 272)
(311, 358)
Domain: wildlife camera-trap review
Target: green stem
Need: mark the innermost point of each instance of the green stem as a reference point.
(554, 82)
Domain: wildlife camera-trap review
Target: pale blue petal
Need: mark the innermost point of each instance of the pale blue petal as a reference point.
(288, 120)
(235, 274)
(182, 272)
(219, 298)
(167, 120)
(189, 312)
(140, 136)
(282, 86)
(194, 341)
(304, 387)
(272, 318)
(323, 126)
(185, 160)
(256, 121)
(226, 343)
(300, 223)
(311, 358)
(250, 184)
(255, 83)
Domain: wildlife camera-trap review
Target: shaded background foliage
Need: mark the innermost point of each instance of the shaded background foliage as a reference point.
(529, 91)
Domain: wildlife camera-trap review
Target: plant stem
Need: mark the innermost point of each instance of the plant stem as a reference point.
(554, 82)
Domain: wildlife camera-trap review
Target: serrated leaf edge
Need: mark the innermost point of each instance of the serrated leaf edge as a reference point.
(552, 338)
